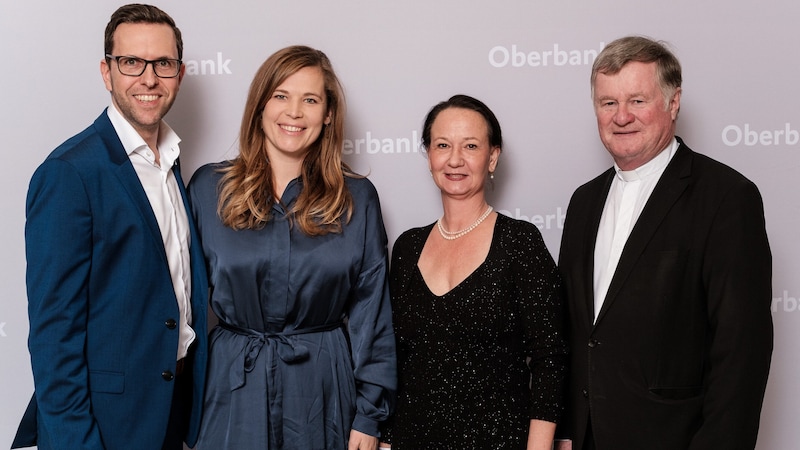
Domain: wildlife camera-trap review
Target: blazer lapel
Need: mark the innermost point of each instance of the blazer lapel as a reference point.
(123, 169)
(669, 188)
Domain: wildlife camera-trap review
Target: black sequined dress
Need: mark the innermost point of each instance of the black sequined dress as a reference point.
(464, 380)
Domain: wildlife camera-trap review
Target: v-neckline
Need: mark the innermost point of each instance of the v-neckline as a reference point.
(469, 276)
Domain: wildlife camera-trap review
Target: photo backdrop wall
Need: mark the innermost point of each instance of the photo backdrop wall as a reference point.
(528, 60)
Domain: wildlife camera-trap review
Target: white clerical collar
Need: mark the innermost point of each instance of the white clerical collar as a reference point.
(654, 166)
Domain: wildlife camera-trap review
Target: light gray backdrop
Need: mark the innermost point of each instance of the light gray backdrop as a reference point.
(528, 60)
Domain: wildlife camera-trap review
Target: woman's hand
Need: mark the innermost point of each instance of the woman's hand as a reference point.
(361, 441)
(540, 435)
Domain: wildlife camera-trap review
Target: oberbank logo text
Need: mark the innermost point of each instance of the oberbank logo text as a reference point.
(214, 66)
(554, 221)
(372, 145)
(514, 56)
(735, 135)
(785, 303)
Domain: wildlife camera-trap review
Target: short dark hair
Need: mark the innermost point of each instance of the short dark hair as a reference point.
(139, 13)
(464, 102)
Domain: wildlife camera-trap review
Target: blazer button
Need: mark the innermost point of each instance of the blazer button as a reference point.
(585, 393)
(167, 375)
(171, 324)
(593, 343)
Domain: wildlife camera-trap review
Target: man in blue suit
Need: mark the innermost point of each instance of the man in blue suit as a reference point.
(116, 280)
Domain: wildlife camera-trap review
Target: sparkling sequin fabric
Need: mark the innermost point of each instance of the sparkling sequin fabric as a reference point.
(464, 381)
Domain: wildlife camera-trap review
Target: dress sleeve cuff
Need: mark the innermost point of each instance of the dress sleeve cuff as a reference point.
(366, 425)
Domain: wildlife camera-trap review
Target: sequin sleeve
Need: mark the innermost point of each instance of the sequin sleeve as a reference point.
(540, 303)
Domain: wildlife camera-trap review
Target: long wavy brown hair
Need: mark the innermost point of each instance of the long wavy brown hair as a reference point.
(246, 190)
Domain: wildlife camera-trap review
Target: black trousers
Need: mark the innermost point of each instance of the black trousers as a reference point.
(588, 440)
(179, 413)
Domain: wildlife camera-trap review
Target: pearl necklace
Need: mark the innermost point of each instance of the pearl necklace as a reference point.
(452, 235)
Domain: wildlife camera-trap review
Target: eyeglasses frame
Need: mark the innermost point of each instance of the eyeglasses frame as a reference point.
(146, 62)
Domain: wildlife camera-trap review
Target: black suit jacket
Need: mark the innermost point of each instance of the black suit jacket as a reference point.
(679, 355)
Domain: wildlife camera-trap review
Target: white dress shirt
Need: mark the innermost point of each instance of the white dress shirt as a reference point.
(161, 187)
(629, 192)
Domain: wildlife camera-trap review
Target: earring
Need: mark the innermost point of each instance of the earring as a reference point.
(491, 175)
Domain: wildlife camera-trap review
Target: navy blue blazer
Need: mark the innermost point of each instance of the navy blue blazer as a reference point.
(102, 308)
(679, 355)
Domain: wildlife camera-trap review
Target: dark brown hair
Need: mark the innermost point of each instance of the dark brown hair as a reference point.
(139, 13)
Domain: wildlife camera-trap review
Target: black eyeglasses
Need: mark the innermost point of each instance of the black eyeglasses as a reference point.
(134, 67)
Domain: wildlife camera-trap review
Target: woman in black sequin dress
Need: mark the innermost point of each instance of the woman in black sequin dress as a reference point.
(477, 307)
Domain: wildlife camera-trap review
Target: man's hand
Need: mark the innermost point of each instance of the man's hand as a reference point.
(565, 444)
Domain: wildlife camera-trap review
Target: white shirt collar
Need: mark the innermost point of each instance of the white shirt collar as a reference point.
(132, 142)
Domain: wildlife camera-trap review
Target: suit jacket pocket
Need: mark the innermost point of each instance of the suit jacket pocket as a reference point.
(107, 382)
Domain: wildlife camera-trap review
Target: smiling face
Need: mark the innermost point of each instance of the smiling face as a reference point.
(634, 123)
(295, 115)
(146, 99)
(460, 156)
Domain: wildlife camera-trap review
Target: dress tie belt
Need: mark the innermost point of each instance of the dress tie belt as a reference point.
(288, 351)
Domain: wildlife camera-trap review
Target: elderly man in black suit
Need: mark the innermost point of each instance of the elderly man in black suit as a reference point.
(667, 272)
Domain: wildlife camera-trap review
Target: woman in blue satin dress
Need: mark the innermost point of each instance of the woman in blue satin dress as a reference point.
(304, 353)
